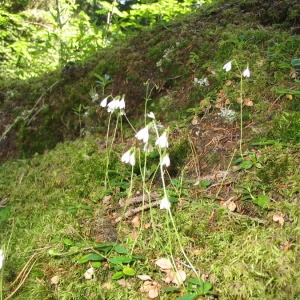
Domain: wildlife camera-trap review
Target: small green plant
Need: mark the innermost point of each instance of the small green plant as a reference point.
(103, 81)
(249, 190)
(196, 288)
(79, 111)
(249, 160)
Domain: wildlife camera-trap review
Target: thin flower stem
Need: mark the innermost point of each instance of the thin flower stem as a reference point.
(180, 244)
(241, 116)
(106, 179)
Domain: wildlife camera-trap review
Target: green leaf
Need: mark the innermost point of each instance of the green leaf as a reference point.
(90, 257)
(118, 275)
(171, 289)
(205, 183)
(258, 165)
(68, 242)
(120, 260)
(129, 271)
(96, 264)
(207, 287)
(197, 281)
(188, 297)
(247, 164)
(4, 214)
(261, 200)
(121, 249)
(295, 62)
(53, 252)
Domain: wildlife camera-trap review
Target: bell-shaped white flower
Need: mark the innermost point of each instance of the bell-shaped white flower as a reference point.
(112, 106)
(227, 67)
(165, 203)
(1, 259)
(126, 157)
(151, 115)
(103, 103)
(122, 103)
(143, 135)
(246, 73)
(165, 161)
(162, 141)
(132, 159)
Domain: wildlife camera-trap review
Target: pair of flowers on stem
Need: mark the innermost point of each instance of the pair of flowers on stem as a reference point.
(228, 66)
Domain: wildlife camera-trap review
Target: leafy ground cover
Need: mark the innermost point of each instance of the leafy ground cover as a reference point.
(233, 181)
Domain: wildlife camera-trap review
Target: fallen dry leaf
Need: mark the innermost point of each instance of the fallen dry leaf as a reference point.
(152, 288)
(124, 283)
(229, 204)
(89, 273)
(144, 277)
(136, 221)
(153, 292)
(196, 120)
(107, 286)
(106, 199)
(55, 280)
(134, 235)
(177, 277)
(286, 245)
(279, 218)
(248, 101)
(148, 225)
(164, 263)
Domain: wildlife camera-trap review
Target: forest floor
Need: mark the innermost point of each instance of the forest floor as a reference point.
(71, 217)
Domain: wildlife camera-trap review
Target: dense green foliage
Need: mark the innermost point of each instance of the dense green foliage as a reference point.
(39, 37)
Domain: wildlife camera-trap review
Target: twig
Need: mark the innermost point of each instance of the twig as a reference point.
(3, 202)
(136, 210)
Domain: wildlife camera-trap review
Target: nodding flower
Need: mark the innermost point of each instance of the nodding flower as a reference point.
(246, 72)
(166, 161)
(162, 141)
(143, 135)
(165, 203)
(227, 67)
(128, 157)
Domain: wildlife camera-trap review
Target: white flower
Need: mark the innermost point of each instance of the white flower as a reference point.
(151, 115)
(1, 259)
(162, 141)
(132, 159)
(94, 97)
(227, 67)
(143, 135)
(246, 72)
(165, 203)
(201, 82)
(112, 105)
(166, 161)
(103, 102)
(128, 157)
(122, 103)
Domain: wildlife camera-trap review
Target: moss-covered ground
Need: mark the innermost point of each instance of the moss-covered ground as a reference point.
(234, 182)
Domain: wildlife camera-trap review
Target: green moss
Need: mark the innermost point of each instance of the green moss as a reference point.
(286, 127)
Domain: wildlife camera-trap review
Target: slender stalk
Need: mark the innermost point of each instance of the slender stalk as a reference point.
(241, 115)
